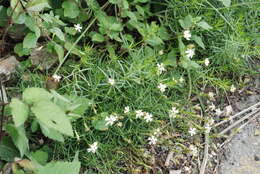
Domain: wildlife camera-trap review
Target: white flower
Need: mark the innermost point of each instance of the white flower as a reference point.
(56, 78)
(157, 132)
(152, 140)
(190, 53)
(127, 109)
(192, 131)
(111, 119)
(211, 121)
(181, 80)
(193, 150)
(162, 87)
(208, 128)
(119, 124)
(111, 81)
(160, 68)
(232, 88)
(187, 34)
(78, 27)
(93, 147)
(206, 62)
(218, 112)
(211, 95)
(139, 113)
(161, 52)
(148, 117)
(173, 112)
(187, 169)
(212, 107)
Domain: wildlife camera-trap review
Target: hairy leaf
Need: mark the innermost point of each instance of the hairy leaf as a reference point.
(32, 95)
(20, 111)
(19, 138)
(52, 116)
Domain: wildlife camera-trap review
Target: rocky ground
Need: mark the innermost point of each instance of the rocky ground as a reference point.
(242, 154)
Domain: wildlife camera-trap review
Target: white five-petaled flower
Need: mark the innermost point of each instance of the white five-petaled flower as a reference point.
(162, 87)
(161, 52)
(187, 34)
(139, 113)
(160, 68)
(93, 147)
(148, 117)
(173, 112)
(56, 77)
(127, 109)
(111, 81)
(218, 112)
(78, 27)
(152, 140)
(157, 132)
(207, 128)
(206, 62)
(232, 88)
(181, 80)
(190, 53)
(110, 120)
(192, 131)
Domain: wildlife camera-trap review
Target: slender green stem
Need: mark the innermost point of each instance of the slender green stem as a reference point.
(75, 43)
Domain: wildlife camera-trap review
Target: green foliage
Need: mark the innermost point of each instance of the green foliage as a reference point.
(141, 45)
(20, 112)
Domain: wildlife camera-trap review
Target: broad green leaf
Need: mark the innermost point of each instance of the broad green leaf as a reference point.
(18, 49)
(93, 5)
(154, 41)
(100, 125)
(189, 64)
(70, 30)
(32, 95)
(186, 22)
(60, 168)
(71, 9)
(52, 116)
(40, 156)
(34, 126)
(226, 3)
(163, 33)
(60, 51)
(19, 138)
(51, 133)
(20, 111)
(7, 153)
(96, 37)
(198, 40)
(31, 24)
(171, 58)
(58, 33)
(204, 25)
(72, 104)
(37, 5)
(30, 40)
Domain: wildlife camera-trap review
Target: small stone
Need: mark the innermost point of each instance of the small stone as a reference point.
(257, 158)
